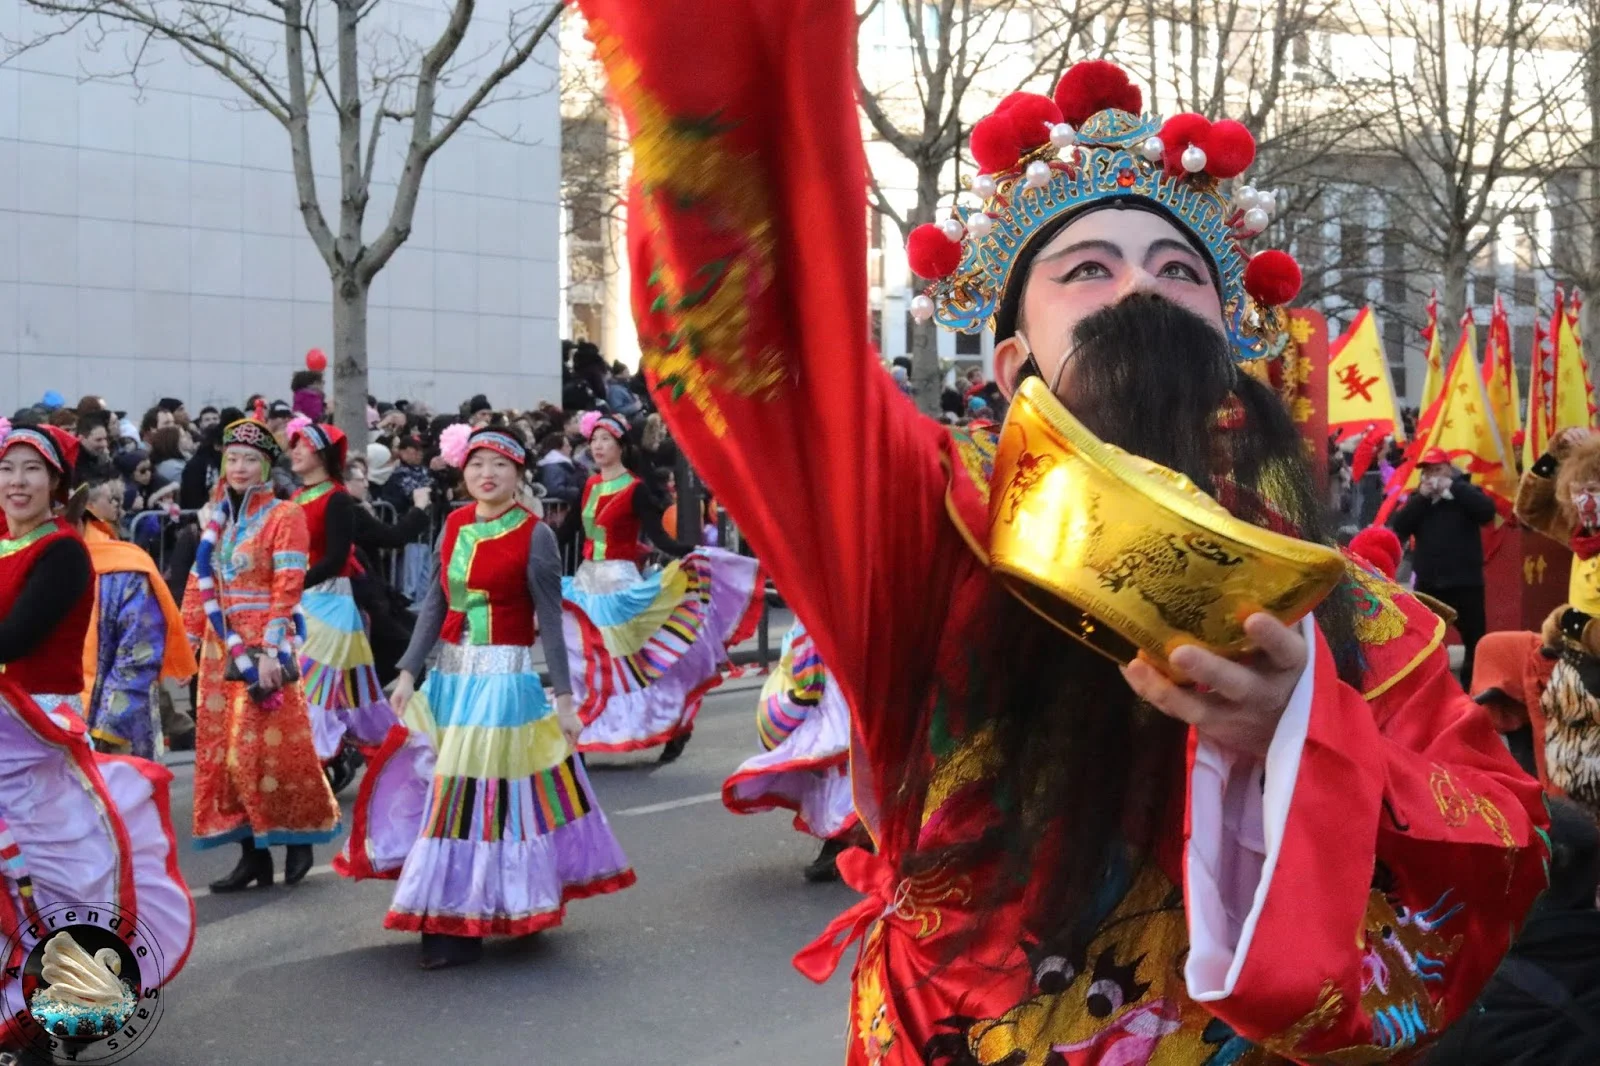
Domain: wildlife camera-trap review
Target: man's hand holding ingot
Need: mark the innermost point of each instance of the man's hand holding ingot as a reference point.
(1235, 704)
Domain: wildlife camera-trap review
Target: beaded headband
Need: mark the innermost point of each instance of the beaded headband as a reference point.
(1047, 159)
(499, 442)
(41, 441)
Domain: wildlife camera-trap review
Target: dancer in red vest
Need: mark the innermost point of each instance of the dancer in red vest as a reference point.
(481, 808)
(75, 826)
(646, 647)
(343, 695)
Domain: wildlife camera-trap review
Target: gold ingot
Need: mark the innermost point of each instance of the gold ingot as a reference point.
(1129, 556)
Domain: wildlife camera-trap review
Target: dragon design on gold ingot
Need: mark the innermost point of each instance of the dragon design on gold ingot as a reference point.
(1122, 1000)
(704, 341)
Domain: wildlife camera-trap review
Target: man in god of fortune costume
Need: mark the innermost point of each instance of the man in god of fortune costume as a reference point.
(1320, 850)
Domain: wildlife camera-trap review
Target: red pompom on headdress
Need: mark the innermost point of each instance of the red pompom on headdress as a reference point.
(1031, 116)
(1272, 278)
(260, 412)
(1229, 149)
(1179, 133)
(931, 254)
(996, 144)
(1093, 86)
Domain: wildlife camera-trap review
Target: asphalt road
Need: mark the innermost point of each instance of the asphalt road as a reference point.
(691, 965)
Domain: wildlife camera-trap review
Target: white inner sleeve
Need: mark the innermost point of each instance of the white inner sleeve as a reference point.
(1238, 806)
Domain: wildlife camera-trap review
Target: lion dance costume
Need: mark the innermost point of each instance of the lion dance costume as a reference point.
(1557, 498)
(1340, 901)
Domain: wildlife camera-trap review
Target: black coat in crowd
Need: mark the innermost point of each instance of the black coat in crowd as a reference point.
(1449, 548)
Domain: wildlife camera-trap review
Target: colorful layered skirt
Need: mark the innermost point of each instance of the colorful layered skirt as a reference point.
(478, 807)
(343, 695)
(645, 650)
(803, 724)
(78, 827)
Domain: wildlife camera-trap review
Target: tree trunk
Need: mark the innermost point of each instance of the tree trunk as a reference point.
(350, 360)
(926, 378)
(1452, 302)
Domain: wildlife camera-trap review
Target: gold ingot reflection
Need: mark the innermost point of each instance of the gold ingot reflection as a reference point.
(1128, 556)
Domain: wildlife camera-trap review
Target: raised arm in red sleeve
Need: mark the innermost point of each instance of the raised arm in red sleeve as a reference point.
(748, 250)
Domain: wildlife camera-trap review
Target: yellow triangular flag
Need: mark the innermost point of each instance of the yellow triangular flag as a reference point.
(1536, 416)
(1360, 394)
(1434, 381)
(1570, 402)
(1500, 379)
(1460, 424)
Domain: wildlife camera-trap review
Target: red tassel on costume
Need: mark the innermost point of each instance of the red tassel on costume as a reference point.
(1272, 278)
(930, 253)
(1093, 86)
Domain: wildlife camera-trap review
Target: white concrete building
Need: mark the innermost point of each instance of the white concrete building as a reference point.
(151, 243)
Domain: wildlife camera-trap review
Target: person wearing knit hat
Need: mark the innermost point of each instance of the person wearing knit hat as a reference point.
(343, 696)
(645, 649)
(483, 723)
(1130, 804)
(258, 781)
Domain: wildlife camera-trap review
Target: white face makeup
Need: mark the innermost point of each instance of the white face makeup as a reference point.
(1094, 262)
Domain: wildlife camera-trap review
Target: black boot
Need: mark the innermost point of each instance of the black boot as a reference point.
(296, 863)
(440, 950)
(675, 746)
(255, 866)
(825, 866)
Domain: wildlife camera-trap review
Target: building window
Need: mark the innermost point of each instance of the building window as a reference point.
(969, 344)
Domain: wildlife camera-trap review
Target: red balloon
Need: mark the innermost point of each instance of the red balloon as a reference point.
(316, 360)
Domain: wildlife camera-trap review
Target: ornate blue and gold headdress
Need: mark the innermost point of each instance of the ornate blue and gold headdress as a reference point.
(1047, 159)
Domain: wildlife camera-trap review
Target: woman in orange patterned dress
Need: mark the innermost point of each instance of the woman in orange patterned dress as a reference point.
(257, 777)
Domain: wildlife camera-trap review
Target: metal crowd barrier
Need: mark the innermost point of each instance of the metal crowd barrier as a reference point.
(166, 523)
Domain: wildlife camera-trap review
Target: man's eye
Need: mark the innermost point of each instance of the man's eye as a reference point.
(1085, 271)
(1181, 270)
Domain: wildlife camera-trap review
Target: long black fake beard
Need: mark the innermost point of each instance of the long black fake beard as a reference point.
(1084, 772)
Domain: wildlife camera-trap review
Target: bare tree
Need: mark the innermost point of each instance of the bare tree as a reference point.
(594, 169)
(924, 110)
(1574, 188)
(280, 55)
(1259, 62)
(1462, 132)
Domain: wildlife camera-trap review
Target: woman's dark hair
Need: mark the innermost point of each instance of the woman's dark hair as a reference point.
(151, 419)
(166, 443)
(305, 379)
(550, 442)
(436, 428)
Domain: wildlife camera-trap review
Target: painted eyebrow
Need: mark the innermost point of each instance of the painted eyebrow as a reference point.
(1111, 248)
